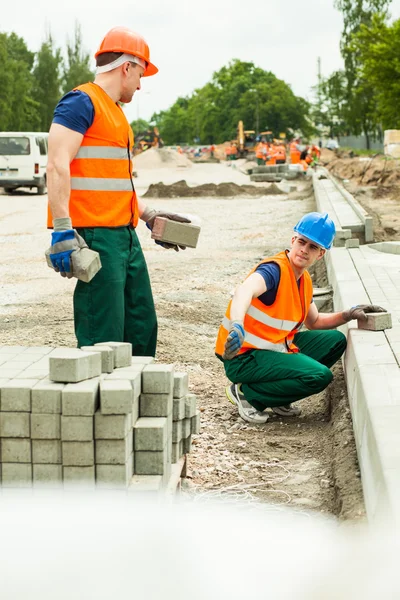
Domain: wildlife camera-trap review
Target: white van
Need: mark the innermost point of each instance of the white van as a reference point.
(23, 160)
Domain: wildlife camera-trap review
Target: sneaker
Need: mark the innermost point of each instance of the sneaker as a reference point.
(246, 410)
(286, 411)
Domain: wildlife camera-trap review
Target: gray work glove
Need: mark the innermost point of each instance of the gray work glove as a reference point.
(234, 341)
(149, 215)
(360, 312)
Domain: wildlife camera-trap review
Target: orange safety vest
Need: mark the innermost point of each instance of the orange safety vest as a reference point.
(102, 191)
(294, 153)
(273, 327)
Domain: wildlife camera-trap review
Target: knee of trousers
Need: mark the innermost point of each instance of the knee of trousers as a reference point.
(340, 340)
(322, 378)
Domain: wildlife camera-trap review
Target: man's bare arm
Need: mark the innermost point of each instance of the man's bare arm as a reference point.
(317, 320)
(251, 288)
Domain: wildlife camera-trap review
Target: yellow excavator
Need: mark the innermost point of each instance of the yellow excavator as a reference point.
(246, 140)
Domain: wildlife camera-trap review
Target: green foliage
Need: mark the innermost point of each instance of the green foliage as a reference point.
(76, 68)
(331, 109)
(239, 91)
(46, 81)
(140, 126)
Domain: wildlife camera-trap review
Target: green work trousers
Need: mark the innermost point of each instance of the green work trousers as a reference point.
(277, 378)
(117, 304)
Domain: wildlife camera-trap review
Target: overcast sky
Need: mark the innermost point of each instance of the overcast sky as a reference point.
(190, 40)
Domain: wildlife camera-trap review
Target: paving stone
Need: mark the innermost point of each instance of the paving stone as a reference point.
(177, 429)
(190, 406)
(122, 353)
(179, 409)
(16, 396)
(133, 374)
(46, 397)
(77, 429)
(187, 444)
(111, 427)
(155, 405)
(71, 365)
(196, 425)
(78, 454)
(36, 374)
(181, 384)
(45, 427)
(177, 451)
(110, 476)
(47, 475)
(107, 356)
(142, 360)
(151, 463)
(182, 234)
(135, 411)
(46, 452)
(16, 475)
(114, 452)
(9, 373)
(186, 428)
(376, 322)
(15, 425)
(158, 379)
(79, 477)
(38, 351)
(15, 450)
(150, 433)
(81, 399)
(353, 243)
(116, 397)
(147, 484)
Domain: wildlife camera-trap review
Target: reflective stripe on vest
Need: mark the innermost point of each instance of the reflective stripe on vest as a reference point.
(96, 184)
(102, 152)
(256, 341)
(264, 318)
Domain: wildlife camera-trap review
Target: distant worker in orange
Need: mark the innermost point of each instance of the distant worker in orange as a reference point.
(228, 150)
(261, 152)
(280, 154)
(295, 151)
(234, 152)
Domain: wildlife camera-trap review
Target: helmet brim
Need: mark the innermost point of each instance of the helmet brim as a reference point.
(312, 239)
(150, 70)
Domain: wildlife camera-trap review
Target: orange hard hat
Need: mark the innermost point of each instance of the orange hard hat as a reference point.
(122, 39)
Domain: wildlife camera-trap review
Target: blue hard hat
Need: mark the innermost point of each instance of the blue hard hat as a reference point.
(318, 228)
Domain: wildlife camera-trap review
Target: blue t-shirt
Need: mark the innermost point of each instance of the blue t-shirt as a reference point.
(75, 111)
(271, 273)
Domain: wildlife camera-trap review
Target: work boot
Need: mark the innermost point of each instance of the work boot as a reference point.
(246, 410)
(286, 410)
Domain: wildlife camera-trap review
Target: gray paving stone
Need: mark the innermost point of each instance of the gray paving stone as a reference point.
(9, 373)
(177, 430)
(190, 406)
(155, 405)
(81, 399)
(181, 384)
(37, 374)
(186, 428)
(148, 484)
(142, 360)
(132, 373)
(353, 243)
(79, 477)
(196, 424)
(177, 451)
(46, 452)
(183, 234)
(47, 475)
(111, 427)
(15, 450)
(114, 452)
(376, 322)
(45, 427)
(15, 425)
(158, 379)
(46, 397)
(16, 396)
(107, 356)
(116, 397)
(122, 353)
(78, 454)
(150, 433)
(16, 475)
(110, 476)
(187, 444)
(71, 365)
(151, 463)
(77, 429)
(179, 409)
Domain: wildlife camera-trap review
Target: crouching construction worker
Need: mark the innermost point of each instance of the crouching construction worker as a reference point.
(269, 360)
(92, 198)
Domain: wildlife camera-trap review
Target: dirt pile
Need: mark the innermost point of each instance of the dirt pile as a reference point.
(158, 158)
(181, 189)
(374, 170)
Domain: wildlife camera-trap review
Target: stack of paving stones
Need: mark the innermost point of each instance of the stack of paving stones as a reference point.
(93, 417)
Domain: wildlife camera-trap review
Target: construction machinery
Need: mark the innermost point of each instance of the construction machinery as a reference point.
(246, 140)
(149, 139)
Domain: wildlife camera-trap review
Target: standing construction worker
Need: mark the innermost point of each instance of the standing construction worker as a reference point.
(295, 151)
(92, 199)
(269, 360)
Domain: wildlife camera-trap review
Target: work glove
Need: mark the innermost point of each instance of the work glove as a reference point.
(149, 215)
(234, 341)
(360, 312)
(64, 241)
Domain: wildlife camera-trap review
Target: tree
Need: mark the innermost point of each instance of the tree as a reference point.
(361, 101)
(140, 126)
(46, 81)
(76, 68)
(331, 110)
